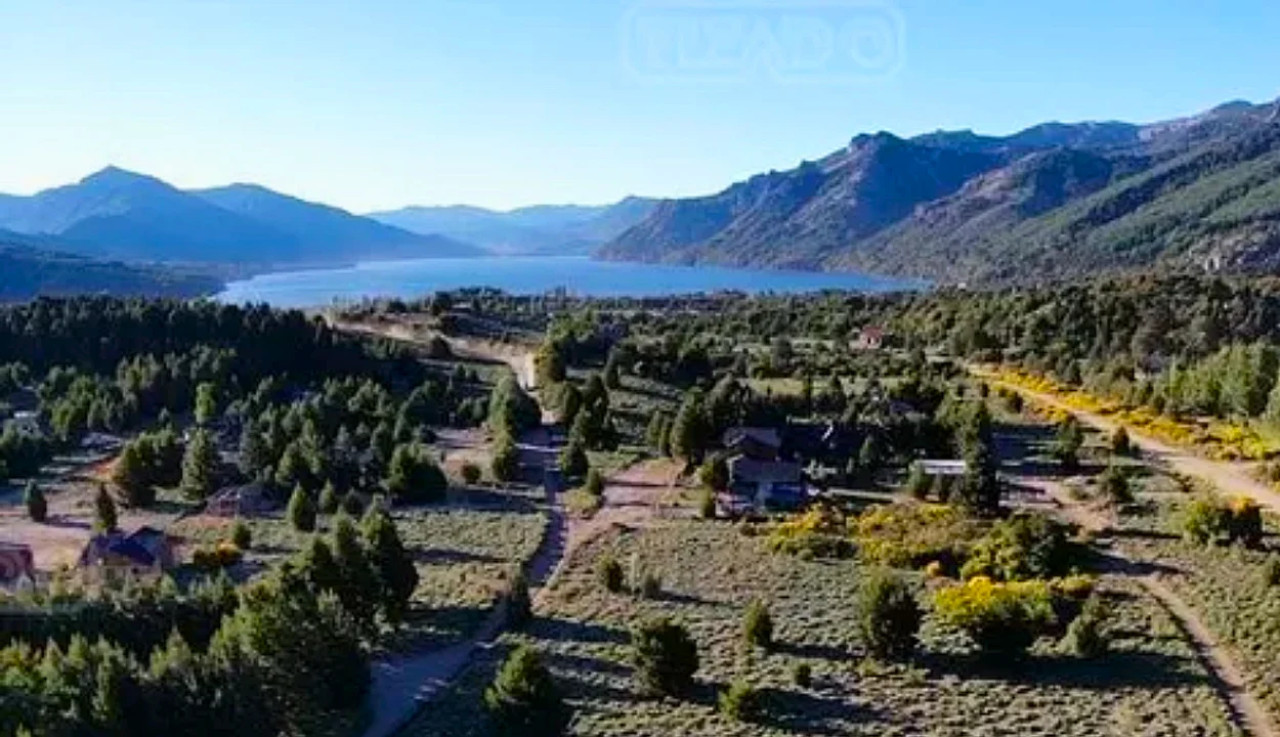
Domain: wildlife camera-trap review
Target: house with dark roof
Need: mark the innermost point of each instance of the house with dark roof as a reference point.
(144, 551)
(760, 485)
(761, 443)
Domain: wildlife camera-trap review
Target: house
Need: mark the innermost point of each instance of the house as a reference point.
(144, 551)
(760, 443)
(248, 500)
(25, 423)
(760, 485)
(936, 467)
(17, 564)
(869, 339)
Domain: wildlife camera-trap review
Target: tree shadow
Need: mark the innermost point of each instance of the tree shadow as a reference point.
(574, 630)
(810, 713)
(1125, 669)
(453, 557)
(813, 651)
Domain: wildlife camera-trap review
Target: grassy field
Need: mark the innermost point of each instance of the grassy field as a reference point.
(465, 553)
(1151, 685)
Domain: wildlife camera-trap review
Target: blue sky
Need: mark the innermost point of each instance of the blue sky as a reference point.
(372, 104)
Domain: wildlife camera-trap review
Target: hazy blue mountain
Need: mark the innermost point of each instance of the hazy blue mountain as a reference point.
(329, 232)
(535, 230)
(120, 214)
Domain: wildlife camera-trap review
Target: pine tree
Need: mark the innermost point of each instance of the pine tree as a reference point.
(397, 577)
(688, 431)
(329, 499)
(199, 464)
(37, 506)
(301, 510)
(358, 589)
(523, 700)
(133, 475)
(255, 454)
(505, 465)
(573, 459)
(105, 518)
(206, 409)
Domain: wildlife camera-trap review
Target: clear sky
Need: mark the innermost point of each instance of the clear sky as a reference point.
(371, 104)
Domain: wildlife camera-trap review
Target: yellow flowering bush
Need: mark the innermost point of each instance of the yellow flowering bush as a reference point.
(820, 532)
(913, 535)
(1002, 618)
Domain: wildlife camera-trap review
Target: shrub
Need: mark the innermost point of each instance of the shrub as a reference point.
(413, 476)
(301, 511)
(1244, 522)
(707, 504)
(523, 699)
(470, 474)
(1204, 521)
(649, 585)
(353, 504)
(1086, 637)
(329, 499)
(757, 626)
(818, 533)
(918, 482)
(105, 518)
(609, 573)
(913, 535)
(1023, 547)
(573, 460)
(594, 484)
(714, 473)
(740, 702)
(505, 465)
(241, 535)
(222, 555)
(888, 616)
(1121, 445)
(37, 506)
(1114, 485)
(802, 675)
(665, 657)
(1002, 619)
(518, 602)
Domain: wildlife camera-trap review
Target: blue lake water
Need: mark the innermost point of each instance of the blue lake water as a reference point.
(579, 275)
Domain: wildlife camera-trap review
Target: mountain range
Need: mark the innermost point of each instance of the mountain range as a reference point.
(540, 230)
(119, 214)
(1055, 200)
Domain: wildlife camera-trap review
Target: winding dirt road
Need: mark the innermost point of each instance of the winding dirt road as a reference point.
(1248, 713)
(1226, 477)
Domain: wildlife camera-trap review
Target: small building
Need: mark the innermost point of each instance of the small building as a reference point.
(25, 423)
(17, 564)
(933, 467)
(764, 485)
(248, 500)
(760, 443)
(99, 442)
(869, 339)
(144, 551)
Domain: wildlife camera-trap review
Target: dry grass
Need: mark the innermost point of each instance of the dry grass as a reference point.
(1151, 685)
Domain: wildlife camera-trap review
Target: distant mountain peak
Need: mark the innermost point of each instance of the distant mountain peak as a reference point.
(115, 176)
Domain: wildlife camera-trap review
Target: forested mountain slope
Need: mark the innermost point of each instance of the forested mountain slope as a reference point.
(1055, 200)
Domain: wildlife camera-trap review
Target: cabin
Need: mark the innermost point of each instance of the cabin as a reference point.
(766, 485)
(25, 423)
(248, 500)
(17, 564)
(869, 339)
(145, 551)
(760, 443)
(933, 468)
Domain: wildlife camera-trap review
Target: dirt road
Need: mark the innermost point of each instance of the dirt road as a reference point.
(1246, 710)
(1227, 477)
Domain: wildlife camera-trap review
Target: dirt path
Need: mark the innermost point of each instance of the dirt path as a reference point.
(1228, 478)
(1247, 712)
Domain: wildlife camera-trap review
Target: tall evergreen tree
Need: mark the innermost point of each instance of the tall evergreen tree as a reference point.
(199, 465)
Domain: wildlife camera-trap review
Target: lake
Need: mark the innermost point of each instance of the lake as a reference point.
(534, 275)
